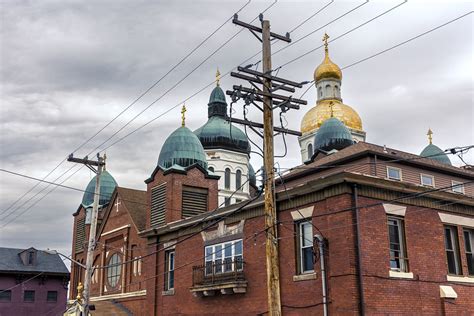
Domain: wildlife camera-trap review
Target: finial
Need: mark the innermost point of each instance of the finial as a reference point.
(105, 160)
(325, 40)
(331, 106)
(80, 287)
(430, 135)
(218, 77)
(183, 117)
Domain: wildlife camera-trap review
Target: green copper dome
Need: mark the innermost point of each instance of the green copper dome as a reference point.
(182, 148)
(434, 152)
(218, 133)
(107, 187)
(332, 134)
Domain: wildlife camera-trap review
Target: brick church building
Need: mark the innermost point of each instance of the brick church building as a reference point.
(394, 230)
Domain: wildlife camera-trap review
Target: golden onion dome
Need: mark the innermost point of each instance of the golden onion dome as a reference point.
(322, 111)
(327, 69)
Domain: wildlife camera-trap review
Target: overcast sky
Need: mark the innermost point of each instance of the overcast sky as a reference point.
(69, 67)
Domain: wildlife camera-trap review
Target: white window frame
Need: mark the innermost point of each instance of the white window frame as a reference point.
(459, 185)
(394, 168)
(213, 255)
(170, 266)
(301, 247)
(453, 232)
(468, 241)
(428, 176)
(403, 258)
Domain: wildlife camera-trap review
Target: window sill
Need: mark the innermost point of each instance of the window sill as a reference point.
(463, 279)
(305, 277)
(168, 293)
(401, 275)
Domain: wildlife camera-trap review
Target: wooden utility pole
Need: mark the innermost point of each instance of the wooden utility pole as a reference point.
(265, 95)
(100, 163)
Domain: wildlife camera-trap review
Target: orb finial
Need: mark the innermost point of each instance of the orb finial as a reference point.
(430, 135)
(80, 287)
(218, 77)
(183, 117)
(331, 106)
(325, 40)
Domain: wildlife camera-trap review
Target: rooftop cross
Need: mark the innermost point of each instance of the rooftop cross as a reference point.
(430, 135)
(218, 77)
(183, 117)
(325, 40)
(331, 106)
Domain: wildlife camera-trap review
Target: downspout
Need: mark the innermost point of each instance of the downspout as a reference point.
(321, 243)
(359, 255)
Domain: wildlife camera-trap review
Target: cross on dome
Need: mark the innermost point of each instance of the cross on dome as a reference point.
(183, 117)
(325, 40)
(430, 135)
(218, 77)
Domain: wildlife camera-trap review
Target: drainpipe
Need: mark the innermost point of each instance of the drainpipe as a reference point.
(321, 243)
(359, 255)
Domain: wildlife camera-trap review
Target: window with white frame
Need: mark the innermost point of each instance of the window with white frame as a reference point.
(457, 187)
(114, 270)
(394, 173)
(469, 249)
(452, 250)
(169, 266)
(224, 257)
(398, 250)
(305, 258)
(427, 180)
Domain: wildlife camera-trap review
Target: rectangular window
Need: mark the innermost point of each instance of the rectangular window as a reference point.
(52, 296)
(457, 187)
(29, 296)
(305, 258)
(468, 246)
(5, 295)
(452, 250)
(427, 180)
(169, 274)
(394, 173)
(398, 251)
(224, 257)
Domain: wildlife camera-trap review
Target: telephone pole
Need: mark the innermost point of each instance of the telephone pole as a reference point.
(96, 167)
(266, 96)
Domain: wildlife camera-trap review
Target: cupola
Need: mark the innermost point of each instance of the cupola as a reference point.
(332, 135)
(107, 187)
(434, 152)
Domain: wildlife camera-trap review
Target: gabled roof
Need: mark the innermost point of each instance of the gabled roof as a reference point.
(10, 262)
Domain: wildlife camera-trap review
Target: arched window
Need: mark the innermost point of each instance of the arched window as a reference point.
(227, 178)
(115, 271)
(310, 150)
(320, 90)
(211, 168)
(238, 180)
(328, 90)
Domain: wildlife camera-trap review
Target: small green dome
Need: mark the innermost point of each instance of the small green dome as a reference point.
(182, 148)
(217, 105)
(332, 134)
(252, 176)
(434, 152)
(107, 187)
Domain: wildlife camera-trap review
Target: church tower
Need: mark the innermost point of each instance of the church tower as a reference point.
(328, 81)
(227, 150)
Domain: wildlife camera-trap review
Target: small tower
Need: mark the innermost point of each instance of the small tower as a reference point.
(328, 81)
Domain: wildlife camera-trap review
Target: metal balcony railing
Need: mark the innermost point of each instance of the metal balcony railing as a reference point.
(218, 272)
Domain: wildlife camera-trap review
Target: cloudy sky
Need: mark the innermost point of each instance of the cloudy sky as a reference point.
(69, 67)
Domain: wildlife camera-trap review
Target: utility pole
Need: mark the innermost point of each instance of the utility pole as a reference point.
(91, 164)
(265, 95)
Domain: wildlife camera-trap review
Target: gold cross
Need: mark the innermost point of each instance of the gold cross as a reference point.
(218, 77)
(325, 40)
(430, 135)
(183, 118)
(331, 105)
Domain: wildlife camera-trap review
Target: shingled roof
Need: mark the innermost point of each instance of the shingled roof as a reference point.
(10, 262)
(135, 202)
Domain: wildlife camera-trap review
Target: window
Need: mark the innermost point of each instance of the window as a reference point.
(310, 151)
(211, 169)
(31, 258)
(158, 205)
(320, 91)
(398, 251)
(468, 246)
(29, 296)
(224, 257)
(227, 201)
(238, 180)
(169, 266)
(52, 296)
(427, 180)
(457, 187)
(394, 173)
(114, 270)
(305, 257)
(5, 295)
(227, 178)
(452, 250)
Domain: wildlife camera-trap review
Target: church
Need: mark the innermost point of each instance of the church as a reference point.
(362, 228)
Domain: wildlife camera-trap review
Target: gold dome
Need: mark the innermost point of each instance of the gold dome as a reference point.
(327, 69)
(322, 111)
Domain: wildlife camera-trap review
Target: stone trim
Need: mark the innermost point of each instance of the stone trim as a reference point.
(400, 275)
(456, 220)
(394, 209)
(463, 279)
(118, 296)
(168, 293)
(303, 213)
(115, 230)
(446, 291)
(305, 277)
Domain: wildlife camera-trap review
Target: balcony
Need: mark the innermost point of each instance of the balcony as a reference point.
(225, 277)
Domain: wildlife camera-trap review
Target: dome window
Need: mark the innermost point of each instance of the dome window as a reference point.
(238, 180)
(310, 150)
(227, 178)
